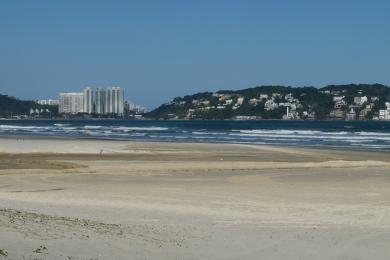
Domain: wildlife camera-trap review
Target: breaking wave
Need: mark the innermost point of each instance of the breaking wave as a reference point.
(359, 135)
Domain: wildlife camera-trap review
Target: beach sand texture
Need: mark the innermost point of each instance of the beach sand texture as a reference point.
(91, 199)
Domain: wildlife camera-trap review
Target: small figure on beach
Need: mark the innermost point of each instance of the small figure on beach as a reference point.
(101, 152)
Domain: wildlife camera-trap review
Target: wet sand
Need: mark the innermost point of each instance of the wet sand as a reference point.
(89, 199)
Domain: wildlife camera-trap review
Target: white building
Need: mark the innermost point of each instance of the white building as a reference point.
(49, 102)
(289, 97)
(71, 103)
(100, 101)
(114, 101)
(263, 96)
(384, 114)
(228, 101)
(360, 100)
(129, 105)
(351, 115)
(270, 105)
(337, 99)
(89, 97)
(240, 101)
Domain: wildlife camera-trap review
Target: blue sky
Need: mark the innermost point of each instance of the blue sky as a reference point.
(158, 50)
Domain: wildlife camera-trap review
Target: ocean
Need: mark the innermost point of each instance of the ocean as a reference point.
(370, 135)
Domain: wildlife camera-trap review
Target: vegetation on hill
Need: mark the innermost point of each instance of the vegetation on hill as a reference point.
(271, 102)
(10, 106)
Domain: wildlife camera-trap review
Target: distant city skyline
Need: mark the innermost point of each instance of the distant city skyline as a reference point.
(100, 101)
(158, 50)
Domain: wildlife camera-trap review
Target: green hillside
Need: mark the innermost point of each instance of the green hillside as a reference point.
(271, 102)
(10, 106)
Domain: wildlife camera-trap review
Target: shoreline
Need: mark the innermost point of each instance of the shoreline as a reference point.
(292, 146)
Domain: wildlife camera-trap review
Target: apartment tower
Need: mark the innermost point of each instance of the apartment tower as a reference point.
(89, 103)
(71, 103)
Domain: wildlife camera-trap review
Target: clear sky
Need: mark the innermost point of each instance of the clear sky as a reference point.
(161, 49)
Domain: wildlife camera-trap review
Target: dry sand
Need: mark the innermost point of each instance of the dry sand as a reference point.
(88, 199)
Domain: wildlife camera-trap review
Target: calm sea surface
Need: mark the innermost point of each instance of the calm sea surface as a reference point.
(352, 134)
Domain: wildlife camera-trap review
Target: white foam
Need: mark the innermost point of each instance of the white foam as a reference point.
(290, 132)
(93, 126)
(18, 127)
(320, 135)
(207, 133)
(372, 133)
(132, 129)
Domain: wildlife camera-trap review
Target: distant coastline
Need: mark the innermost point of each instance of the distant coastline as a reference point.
(333, 102)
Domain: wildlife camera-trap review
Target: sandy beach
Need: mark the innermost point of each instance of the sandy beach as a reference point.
(91, 199)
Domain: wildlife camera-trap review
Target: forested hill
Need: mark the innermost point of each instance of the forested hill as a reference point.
(271, 102)
(11, 106)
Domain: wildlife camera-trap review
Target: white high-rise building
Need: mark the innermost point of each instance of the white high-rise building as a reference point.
(119, 100)
(100, 101)
(71, 103)
(108, 102)
(89, 101)
(114, 101)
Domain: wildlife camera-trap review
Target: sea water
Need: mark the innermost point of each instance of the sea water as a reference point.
(351, 134)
